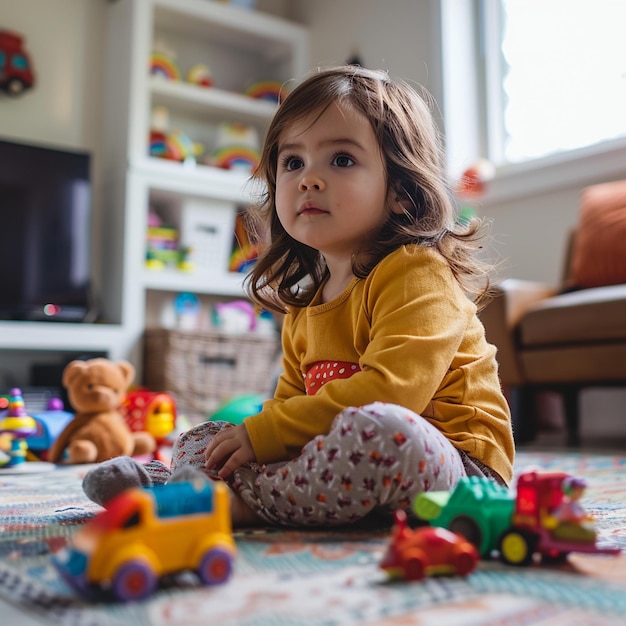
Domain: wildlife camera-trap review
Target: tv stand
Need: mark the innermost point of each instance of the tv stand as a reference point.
(26, 345)
(64, 314)
(66, 337)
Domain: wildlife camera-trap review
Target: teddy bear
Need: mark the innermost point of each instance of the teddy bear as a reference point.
(98, 431)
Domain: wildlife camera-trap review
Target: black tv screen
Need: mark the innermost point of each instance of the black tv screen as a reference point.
(45, 213)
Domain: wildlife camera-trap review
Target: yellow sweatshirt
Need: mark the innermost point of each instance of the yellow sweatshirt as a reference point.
(414, 339)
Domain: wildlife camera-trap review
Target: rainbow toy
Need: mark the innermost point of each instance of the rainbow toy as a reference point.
(236, 157)
(269, 90)
(245, 252)
(180, 147)
(243, 259)
(163, 65)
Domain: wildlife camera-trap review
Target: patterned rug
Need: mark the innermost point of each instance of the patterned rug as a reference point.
(319, 578)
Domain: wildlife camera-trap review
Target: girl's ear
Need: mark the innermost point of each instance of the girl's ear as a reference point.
(400, 202)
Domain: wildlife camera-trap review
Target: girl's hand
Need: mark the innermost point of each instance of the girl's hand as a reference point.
(229, 449)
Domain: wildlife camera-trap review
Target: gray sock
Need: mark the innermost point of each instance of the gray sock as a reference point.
(114, 476)
(186, 473)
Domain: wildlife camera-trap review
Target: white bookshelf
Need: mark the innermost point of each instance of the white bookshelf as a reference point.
(241, 47)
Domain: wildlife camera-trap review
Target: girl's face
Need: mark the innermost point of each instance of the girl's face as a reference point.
(331, 183)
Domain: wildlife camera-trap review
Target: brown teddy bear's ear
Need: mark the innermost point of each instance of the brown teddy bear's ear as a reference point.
(128, 372)
(71, 371)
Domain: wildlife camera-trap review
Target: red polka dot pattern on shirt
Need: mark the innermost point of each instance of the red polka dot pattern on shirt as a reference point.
(323, 372)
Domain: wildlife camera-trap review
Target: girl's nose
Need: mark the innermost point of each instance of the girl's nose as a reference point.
(311, 181)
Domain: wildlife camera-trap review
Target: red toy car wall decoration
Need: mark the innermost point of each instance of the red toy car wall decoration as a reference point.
(16, 68)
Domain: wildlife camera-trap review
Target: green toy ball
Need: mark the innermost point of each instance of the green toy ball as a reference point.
(237, 409)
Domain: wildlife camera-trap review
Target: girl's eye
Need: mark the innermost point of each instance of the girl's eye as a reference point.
(343, 160)
(290, 163)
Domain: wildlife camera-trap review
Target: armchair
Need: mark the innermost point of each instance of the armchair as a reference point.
(568, 338)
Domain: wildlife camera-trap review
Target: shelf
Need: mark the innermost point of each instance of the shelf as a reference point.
(203, 101)
(229, 25)
(59, 336)
(196, 179)
(218, 283)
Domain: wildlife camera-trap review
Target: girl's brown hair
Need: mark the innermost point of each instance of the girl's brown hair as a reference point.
(289, 273)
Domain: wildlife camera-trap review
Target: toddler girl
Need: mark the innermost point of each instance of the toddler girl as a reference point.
(388, 386)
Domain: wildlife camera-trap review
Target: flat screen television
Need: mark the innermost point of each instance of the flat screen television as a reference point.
(45, 216)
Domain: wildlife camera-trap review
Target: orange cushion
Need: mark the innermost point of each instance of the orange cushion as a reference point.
(599, 254)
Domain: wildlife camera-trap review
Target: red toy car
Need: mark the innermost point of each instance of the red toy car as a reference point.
(16, 71)
(427, 551)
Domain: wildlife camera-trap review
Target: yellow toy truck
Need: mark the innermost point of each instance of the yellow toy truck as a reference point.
(145, 534)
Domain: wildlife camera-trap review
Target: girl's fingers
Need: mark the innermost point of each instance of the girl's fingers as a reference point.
(218, 440)
(221, 450)
(233, 462)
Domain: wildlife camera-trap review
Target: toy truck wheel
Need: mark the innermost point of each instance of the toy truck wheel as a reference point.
(465, 562)
(134, 580)
(516, 547)
(215, 566)
(15, 87)
(467, 526)
(415, 566)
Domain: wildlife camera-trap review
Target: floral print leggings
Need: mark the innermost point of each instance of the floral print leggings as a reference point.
(375, 458)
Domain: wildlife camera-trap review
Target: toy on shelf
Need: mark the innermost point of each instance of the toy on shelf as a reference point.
(98, 432)
(163, 64)
(15, 427)
(187, 309)
(200, 74)
(152, 411)
(145, 534)
(517, 526)
(245, 253)
(235, 317)
(268, 90)
(159, 128)
(426, 551)
(236, 147)
(180, 147)
(163, 248)
(173, 145)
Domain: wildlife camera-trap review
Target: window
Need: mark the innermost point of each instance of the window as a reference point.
(554, 74)
(19, 62)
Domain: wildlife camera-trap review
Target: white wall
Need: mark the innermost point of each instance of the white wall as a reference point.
(64, 39)
(400, 36)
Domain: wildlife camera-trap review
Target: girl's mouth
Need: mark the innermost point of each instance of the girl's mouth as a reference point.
(308, 208)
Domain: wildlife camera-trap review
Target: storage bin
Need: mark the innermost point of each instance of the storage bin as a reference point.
(204, 369)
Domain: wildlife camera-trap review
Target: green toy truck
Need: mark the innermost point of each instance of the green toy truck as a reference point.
(517, 525)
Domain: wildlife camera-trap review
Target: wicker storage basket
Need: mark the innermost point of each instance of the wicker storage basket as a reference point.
(203, 369)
